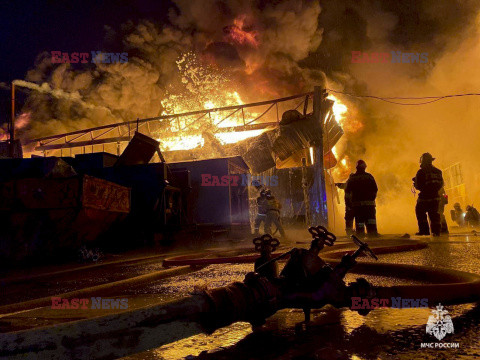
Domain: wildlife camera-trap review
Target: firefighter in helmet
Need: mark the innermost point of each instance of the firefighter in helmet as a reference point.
(457, 215)
(472, 217)
(262, 205)
(362, 189)
(273, 214)
(349, 215)
(429, 181)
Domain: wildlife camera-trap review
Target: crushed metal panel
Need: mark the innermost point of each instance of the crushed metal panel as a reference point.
(139, 151)
(259, 155)
(296, 135)
(332, 132)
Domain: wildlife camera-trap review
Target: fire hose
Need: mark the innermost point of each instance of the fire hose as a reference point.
(252, 300)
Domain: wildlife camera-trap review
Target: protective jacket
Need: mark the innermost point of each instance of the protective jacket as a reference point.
(429, 182)
(361, 188)
(273, 204)
(262, 205)
(472, 216)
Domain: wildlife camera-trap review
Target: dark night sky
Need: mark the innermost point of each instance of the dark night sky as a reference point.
(29, 27)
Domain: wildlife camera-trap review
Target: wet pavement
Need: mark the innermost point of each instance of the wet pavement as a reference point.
(334, 333)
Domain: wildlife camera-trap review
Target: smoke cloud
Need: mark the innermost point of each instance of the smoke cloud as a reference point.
(265, 49)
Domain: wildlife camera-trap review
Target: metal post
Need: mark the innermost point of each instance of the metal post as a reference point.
(318, 198)
(12, 125)
(12, 121)
(306, 198)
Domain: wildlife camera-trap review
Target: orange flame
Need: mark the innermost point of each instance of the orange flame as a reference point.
(239, 33)
(350, 125)
(205, 88)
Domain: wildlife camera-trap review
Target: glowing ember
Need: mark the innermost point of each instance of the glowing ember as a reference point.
(203, 88)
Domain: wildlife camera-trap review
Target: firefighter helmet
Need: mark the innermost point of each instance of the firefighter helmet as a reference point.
(426, 158)
(361, 164)
(256, 183)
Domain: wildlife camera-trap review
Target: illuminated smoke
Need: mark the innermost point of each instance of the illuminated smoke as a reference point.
(260, 50)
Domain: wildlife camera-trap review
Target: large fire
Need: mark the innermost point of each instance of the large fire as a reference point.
(204, 88)
(349, 125)
(339, 110)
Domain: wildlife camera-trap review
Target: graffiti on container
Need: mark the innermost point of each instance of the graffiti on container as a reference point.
(104, 195)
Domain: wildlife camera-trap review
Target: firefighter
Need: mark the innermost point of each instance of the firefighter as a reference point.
(472, 217)
(429, 182)
(362, 188)
(457, 214)
(349, 215)
(441, 211)
(262, 205)
(273, 214)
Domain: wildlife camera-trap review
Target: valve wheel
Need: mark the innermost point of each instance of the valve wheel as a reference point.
(322, 234)
(266, 240)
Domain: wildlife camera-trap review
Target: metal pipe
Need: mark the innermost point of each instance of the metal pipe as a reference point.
(319, 215)
(172, 116)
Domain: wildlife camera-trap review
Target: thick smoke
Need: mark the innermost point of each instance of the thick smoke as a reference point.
(283, 33)
(267, 49)
(394, 136)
